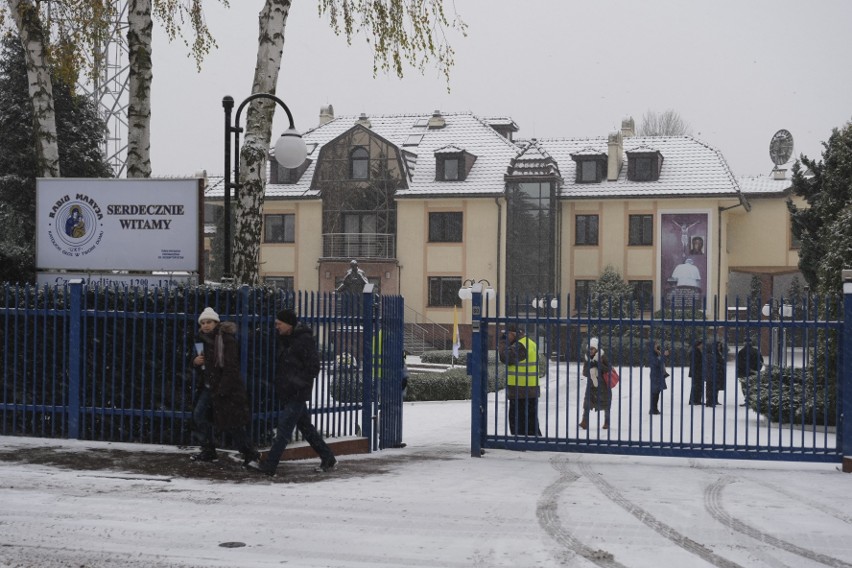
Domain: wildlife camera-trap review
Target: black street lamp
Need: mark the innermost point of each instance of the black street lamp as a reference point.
(290, 152)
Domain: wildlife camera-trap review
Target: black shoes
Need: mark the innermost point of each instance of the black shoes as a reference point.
(260, 465)
(327, 465)
(654, 411)
(205, 456)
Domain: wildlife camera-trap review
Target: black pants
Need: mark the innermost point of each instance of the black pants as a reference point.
(711, 395)
(523, 416)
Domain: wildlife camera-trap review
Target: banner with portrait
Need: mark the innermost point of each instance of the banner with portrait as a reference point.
(683, 258)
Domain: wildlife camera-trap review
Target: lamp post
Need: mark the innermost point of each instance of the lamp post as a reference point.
(290, 152)
(779, 335)
(466, 290)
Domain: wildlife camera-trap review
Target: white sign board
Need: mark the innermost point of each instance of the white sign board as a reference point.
(118, 224)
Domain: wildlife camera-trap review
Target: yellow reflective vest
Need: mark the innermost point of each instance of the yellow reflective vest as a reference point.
(524, 373)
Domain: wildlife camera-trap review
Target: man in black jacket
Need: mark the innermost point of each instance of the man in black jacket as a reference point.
(296, 366)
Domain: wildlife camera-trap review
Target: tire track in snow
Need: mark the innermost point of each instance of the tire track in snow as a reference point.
(713, 504)
(547, 512)
(828, 510)
(657, 526)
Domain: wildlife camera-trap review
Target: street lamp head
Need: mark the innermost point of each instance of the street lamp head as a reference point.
(291, 150)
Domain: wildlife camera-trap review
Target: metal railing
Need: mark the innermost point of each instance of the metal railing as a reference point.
(359, 245)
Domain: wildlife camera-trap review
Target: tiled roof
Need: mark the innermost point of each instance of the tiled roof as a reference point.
(763, 185)
(690, 167)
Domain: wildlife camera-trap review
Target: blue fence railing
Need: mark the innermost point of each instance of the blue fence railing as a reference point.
(792, 408)
(113, 363)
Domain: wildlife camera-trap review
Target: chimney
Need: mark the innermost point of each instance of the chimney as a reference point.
(615, 149)
(628, 127)
(363, 120)
(326, 114)
(436, 120)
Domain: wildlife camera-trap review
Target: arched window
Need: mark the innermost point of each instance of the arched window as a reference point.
(359, 163)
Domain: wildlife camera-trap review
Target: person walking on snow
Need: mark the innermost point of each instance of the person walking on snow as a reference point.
(296, 366)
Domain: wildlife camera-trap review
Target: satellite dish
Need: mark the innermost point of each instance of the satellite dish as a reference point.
(781, 147)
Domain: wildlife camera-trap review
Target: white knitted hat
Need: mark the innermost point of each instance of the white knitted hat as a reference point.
(593, 342)
(208, 314)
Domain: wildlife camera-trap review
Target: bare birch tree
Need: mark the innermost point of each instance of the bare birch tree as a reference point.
(400, 32)
(57, 34)
(32, 35)
(140, 76)
(668, 123)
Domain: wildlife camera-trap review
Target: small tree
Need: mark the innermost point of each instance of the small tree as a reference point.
(611, 298)
(668, 123)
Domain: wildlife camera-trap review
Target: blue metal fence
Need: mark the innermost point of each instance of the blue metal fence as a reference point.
(112, 363)
(792, 409)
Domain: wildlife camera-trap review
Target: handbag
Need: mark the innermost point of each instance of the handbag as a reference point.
(611, 378)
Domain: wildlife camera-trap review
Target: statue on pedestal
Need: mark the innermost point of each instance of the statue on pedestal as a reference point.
(354, 281)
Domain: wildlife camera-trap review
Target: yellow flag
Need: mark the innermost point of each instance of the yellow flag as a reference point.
(456, 338)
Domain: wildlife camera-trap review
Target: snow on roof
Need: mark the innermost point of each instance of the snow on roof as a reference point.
(690, 167)
(763, 185)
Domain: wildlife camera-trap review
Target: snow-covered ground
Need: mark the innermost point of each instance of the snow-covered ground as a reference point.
(431, 504)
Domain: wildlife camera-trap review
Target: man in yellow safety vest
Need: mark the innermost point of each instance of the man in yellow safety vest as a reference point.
(520, 354)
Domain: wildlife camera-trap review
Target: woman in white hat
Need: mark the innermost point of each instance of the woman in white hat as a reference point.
(222, 401)
(598, 394)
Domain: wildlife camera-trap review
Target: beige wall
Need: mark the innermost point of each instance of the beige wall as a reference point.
(756, 240)
(475, 257)
(297, 259)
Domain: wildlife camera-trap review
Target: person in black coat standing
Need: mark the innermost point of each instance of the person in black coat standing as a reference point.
(749, 363)
(297, 364)
(696, 372)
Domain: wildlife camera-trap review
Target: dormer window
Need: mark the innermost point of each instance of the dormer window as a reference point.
(287, 176)
(359, 163)
(591, 166)
(452, 164)
(644, 164)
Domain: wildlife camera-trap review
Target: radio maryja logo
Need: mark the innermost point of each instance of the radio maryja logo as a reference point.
(75, 228)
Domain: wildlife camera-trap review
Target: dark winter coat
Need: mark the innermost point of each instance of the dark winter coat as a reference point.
(657, 364)
(597, 397)
(715, 364)
(696, 364)
(296, 364)
(221, 374)
(749, 360)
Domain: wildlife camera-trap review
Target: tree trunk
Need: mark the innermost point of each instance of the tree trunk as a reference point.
(40, 85)
(255, 150)
(139, 32)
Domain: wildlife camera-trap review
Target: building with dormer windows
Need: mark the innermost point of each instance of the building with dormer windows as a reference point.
(425, 202)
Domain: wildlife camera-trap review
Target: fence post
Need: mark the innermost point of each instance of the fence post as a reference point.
(844, 383)
(75, 348)
(243, 305)
(477, 408)
(367, 401)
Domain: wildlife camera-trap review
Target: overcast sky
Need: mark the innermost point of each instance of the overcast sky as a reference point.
(735, 71)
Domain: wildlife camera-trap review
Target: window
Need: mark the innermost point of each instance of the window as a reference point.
(360, 234)
(444, 291)
(280, 282)
(641, 230)
(588, 171)
(643, 294)
(413, 140)
(644, 165)
(590, 165)
(586, 230)
(531, 241)
(359, 163)
(280, 174)
(445, 227)
(448, 168)
(582, 292)
(279, 228)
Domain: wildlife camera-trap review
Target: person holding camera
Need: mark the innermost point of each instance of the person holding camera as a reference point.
(520, 354)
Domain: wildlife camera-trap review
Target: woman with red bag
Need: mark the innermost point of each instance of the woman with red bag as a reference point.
(598, 393)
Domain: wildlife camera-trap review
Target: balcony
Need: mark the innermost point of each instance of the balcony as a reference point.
(359, 245)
